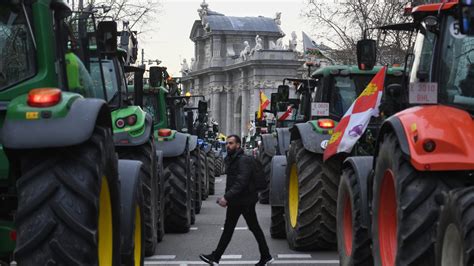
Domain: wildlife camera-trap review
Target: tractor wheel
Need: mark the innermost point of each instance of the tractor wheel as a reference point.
(177, 194)
(353, 239)
(219, 161)
(69, 204)
(266, 161)
(211, 158)
(405, 208)
(146, 154)
(203, 169)
(193, 190)
(160, 219)
(197, 182)
(310, 203)
(455, 241)
(277, 226)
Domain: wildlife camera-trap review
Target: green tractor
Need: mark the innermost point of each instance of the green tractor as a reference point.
(166, 109)
(336, 87)
(133, 127)
(66, 198)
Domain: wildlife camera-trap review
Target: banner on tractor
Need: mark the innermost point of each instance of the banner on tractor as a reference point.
(354, 122)
(264, 102)
(282, 116)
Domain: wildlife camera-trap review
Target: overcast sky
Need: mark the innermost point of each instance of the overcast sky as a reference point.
(170, 41)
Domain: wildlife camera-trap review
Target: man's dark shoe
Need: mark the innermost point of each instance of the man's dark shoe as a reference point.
(210, 259)
(264, 261)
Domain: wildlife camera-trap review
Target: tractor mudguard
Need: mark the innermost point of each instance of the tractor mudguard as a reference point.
(207, 148)
(174, 147)
(278, 180)
(362, 166)
(449, 129)
(283, 139)
(125, 139)
(129, 174)
(74, 128)
(269, 144)
(193, 141)
(311, 139)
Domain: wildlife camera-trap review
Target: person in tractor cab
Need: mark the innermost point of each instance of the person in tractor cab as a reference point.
(466, 85)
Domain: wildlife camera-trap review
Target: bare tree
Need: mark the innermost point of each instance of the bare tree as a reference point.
(141, 14)
(342, 23)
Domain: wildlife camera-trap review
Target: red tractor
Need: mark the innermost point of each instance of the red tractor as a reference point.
(390, 204)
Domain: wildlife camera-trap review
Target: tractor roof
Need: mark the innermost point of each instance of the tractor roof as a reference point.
(333, 70)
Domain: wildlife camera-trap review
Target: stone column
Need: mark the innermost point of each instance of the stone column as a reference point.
(245, 112)
(229, 112)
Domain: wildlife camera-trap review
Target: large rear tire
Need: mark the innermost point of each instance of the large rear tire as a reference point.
(455, 240)
(177, 194)
(266, 161)
(353, 238)
(211, 159)
(277, 226)
(310, 203)
(146, 154)
(69, 204)
(405, 208)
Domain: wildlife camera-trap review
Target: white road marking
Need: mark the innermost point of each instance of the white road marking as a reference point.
(193, 228)
(161, 257)
(244, 262)
(294, 256)
(230, 257)
(238, 228)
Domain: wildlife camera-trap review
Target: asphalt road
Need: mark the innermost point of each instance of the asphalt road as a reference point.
(184, 249)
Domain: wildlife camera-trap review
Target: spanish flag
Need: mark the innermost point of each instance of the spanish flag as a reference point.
(264, 102)
(354, 122)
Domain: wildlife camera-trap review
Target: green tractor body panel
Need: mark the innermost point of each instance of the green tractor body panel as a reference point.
(353, 70)
(7, 244)
(134, 130)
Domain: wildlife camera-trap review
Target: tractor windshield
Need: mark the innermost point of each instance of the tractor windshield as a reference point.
(456, 69)
(111, 84)
(345, 90)
(17, 49)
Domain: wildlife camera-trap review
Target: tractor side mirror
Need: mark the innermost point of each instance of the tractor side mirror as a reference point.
(394, 90)
(202, 107)
(466, 17)
(156, 76)
(366, 54)
(107, 36)
(284, 93)
(274, 99)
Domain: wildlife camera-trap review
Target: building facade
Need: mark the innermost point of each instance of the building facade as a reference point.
(235, 58)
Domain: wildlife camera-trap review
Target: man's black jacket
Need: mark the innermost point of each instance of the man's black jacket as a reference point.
(239, 189)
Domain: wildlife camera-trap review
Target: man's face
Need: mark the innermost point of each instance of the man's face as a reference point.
(232, 145)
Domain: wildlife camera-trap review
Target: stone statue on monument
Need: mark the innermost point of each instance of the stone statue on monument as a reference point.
(293, 42)
(193, 65)
(246, 51)
(258, 45)
(184, 67)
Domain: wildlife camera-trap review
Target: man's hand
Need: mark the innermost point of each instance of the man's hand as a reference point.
(222, 202)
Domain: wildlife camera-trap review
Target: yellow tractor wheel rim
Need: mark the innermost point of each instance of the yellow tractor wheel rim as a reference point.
(105, 230)
(137, 251)
(293, 196)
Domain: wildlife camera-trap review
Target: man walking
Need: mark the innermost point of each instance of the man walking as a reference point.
(240, 199)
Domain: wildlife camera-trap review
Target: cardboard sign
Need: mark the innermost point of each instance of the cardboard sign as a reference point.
(423, 93)
(319, 109)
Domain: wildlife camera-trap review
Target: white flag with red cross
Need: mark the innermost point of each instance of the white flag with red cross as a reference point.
(355, 120)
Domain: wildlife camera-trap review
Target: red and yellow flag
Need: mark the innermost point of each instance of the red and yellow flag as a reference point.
(264, 102)
(355, 120)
